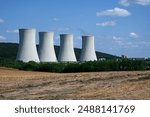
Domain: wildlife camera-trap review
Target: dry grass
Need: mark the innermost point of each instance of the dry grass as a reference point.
(15, 84)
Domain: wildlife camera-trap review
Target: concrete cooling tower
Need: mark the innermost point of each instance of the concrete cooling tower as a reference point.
(27, 46)
(66, 52)
(88, 49)
(46, 47)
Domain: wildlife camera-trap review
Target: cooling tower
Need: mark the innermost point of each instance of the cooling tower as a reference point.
(66, 52)
(27, 47)
(88, 49)
(46, 47)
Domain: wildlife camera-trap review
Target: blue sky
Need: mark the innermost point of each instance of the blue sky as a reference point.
(119, 26)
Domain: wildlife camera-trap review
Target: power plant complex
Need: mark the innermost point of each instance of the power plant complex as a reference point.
(27, 50)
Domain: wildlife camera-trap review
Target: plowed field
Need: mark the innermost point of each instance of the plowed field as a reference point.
(16, 84)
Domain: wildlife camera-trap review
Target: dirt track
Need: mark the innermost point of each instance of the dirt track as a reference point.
(15, 84)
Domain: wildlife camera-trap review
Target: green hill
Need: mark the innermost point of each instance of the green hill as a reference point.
(9, 50)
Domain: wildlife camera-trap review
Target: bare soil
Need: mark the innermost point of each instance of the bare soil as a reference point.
(16, 84)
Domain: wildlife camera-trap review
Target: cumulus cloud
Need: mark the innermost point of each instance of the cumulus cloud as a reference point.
(1, 20)
(140, 2)
(114, 12)
(12, 31)
(133, 35)
(2, 38)
(107, 23)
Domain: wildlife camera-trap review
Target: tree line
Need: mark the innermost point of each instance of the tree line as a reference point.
(67, 67)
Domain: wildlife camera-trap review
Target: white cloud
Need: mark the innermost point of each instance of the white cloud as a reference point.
(140, 2)
(1, 20)
(124, 43)
(2, 38)
(12, 31)
(133, 35)
(114, 12)
(117, 40)
(55, 19)
(107, 23)
(124, 2)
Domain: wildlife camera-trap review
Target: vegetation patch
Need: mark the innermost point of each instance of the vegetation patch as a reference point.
(91, 66)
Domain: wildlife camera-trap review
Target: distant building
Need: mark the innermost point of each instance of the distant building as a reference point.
(102, 59)
(124, 56)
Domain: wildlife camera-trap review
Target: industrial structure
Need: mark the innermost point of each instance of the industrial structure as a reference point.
(66, 52)
(88, 49)
(46, 53)
(27, 46)
(46, 49)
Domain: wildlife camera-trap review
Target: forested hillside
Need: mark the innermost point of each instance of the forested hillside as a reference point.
(9, 50)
